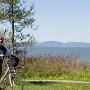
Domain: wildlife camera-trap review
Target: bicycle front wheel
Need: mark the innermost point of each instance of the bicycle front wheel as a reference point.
(17, 82)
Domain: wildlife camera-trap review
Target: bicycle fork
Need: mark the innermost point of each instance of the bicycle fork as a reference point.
(11, 80)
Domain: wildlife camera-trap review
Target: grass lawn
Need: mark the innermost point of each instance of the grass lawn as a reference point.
(53, 86)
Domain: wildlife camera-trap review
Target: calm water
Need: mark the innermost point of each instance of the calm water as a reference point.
(81, 53)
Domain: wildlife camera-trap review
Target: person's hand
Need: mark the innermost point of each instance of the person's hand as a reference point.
(1, 55)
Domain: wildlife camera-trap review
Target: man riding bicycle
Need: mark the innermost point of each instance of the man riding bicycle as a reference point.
(3, 51)
(11, 62)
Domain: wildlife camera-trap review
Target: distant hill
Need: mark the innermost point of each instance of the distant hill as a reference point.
(50, 44)
(61, 44)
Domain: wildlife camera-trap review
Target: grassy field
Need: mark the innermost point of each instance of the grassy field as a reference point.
(54, 68)
(53, 86)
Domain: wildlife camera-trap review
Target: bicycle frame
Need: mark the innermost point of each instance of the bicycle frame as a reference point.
(2, 78)
(10, 74)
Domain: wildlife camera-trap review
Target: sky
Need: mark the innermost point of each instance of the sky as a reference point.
(62, 20)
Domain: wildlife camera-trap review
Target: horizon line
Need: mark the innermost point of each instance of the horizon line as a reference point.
(63, 41)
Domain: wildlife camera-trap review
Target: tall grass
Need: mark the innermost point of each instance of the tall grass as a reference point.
(54, 67)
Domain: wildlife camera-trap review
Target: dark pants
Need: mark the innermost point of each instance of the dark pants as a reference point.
(1, 88)
(0, 70)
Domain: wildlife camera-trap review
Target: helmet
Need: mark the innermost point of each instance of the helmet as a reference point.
(1, 38)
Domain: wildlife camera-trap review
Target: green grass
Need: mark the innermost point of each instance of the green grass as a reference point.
(54, 86)
(54, 67)
(59, 68)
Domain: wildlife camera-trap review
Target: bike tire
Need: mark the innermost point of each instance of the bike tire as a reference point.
(19, 84)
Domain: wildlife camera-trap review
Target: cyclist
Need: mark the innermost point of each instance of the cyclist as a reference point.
(3, 51)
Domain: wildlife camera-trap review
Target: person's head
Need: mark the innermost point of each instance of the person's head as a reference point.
(1, 40)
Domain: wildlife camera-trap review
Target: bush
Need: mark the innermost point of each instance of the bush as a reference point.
(50, 66)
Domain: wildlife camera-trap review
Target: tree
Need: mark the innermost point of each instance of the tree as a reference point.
(16, 17)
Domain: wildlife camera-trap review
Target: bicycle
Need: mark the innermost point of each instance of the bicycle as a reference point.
(10, 77)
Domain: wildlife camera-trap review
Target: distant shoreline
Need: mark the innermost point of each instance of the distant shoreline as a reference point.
(82, 53)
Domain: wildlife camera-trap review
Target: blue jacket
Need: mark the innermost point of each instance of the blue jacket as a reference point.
(3, 51)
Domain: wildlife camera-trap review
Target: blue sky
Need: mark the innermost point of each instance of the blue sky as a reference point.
(62, 20)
